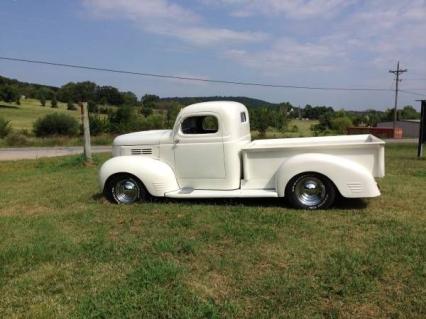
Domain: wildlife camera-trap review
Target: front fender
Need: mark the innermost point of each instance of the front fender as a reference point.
(351, 179)
(158, 177)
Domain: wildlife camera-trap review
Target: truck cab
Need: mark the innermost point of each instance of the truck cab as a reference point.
(209, 153)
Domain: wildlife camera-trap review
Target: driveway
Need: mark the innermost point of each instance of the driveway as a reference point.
(18, 153)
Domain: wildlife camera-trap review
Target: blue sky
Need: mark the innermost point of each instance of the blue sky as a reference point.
(343, 43)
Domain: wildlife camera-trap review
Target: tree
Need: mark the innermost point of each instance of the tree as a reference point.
(42, 100)
(149, 100)
(280, 118)
(332, 123)
(108, 95)
(77, 92)
(71, 106)
(9, 93)
(123, 120)
(171, 114)
(84, 91)
(260, 120)
(54, 102)
(409, 113)
(129, 98)
(43, 94)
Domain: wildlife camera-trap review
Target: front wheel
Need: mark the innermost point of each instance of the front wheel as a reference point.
(311, 191)
(125, 189)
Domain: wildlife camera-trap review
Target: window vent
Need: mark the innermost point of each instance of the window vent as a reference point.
(141, 151)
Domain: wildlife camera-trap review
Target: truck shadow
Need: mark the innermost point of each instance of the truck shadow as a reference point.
(341, 203)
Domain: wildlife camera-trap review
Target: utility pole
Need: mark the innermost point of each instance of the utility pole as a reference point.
(86, 132)
(397, 72)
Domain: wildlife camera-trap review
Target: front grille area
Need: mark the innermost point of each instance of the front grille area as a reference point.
(141, 151)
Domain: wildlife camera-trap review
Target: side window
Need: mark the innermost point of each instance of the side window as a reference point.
(243, 117)
(206, 124)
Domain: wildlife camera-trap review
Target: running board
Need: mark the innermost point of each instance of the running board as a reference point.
(236, 193)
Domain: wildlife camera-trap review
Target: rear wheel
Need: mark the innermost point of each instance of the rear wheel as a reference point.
(125, 189)
(311, 191)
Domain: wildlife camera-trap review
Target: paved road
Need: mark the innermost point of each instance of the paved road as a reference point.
(18, 153)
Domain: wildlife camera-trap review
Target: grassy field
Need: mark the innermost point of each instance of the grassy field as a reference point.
(66, 252)
(23, 116)
(303, 129)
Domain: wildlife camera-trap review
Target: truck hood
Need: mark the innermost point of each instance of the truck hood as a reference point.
(153, 137)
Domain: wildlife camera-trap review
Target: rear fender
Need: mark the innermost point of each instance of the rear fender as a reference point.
(351, 179)
(157, 176)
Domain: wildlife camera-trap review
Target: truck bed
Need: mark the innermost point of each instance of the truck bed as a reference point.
(314, 142)
(262, 158)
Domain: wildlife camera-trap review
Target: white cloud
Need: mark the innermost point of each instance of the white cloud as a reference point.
(168, 19)
(295, 9)
(288, 55)
(305, 35)
(372, 34)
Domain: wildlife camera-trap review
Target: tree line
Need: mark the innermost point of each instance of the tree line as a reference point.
(115, 111)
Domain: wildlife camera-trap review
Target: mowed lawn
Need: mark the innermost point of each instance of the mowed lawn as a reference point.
(66, 252)
(23, 116)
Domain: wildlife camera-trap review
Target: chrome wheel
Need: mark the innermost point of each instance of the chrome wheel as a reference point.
(310, 191)
(126, 191)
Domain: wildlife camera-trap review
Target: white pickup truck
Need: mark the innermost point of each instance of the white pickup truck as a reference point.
(209, 154)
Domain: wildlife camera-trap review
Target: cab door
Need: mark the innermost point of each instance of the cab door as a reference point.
(198, 151)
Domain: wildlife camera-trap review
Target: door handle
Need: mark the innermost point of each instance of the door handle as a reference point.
(177, 141)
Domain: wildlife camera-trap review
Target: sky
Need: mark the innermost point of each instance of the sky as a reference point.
(327, 43)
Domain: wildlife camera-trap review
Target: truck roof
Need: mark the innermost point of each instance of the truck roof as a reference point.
(227, 108)
(234, 124)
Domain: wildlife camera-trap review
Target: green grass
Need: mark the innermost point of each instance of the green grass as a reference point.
(23, 116)
(66, 252)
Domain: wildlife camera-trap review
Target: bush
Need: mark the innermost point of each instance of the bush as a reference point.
(104, 110)
(341, 124)
(4, 127)
(71, 106)
(43, 101)
(56, 124)
(17, 139)
(97, 125)
(92, 107)
(54, 102)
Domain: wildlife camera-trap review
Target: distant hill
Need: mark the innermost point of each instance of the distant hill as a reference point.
(29, 89)
(247, 101)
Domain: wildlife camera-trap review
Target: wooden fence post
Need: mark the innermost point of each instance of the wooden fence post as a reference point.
(86, 131)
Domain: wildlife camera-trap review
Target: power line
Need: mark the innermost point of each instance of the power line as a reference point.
(413, 93)
(186, 78)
